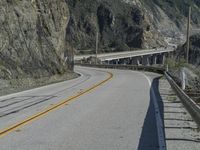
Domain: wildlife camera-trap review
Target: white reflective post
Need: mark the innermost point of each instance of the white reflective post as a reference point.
(183, 79)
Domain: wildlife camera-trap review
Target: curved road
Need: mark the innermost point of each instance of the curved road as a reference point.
(100, 110)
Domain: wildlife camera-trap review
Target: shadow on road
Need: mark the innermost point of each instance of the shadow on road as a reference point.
(149, 135)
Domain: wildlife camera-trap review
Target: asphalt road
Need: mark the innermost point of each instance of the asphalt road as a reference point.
(100, 110)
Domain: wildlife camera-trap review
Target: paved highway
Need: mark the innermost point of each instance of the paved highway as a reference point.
(100, 110)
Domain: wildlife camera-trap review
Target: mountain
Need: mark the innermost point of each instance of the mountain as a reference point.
(128, 24)
(38, 37)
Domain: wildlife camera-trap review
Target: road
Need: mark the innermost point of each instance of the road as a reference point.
(100, 110)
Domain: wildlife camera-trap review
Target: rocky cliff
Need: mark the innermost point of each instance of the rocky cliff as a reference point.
(32, 38)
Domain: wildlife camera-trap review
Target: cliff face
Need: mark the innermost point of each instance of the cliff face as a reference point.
(32, 38)
(122, 25)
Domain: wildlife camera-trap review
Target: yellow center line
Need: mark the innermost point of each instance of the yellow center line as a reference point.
(36, 116)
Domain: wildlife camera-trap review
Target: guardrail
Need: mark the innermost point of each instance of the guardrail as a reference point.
(192, 107)
(126, 67)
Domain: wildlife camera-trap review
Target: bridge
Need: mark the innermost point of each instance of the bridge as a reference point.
(139, 57)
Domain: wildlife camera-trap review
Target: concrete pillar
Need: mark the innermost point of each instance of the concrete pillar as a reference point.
(116, 61)
(154, 59)
(139, 60)
(145, 61)
(110, 62)
(128, 61)
(125, 61)
(148, 60)
(163, 59)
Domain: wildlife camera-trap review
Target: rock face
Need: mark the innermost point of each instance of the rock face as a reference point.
(32, 38)
(122, 25)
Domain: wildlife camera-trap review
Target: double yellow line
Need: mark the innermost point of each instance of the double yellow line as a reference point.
(36, 116)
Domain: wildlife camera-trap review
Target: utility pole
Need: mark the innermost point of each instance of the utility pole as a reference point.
(97, 44)
(188, 35)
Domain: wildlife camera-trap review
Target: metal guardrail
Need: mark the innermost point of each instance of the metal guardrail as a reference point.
(192, 107)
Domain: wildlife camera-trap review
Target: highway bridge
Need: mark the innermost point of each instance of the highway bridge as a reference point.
(139, 57)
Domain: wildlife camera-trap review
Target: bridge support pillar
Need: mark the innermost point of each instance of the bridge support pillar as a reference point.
(135, 61)
(138, 62)
(145, 61)
(163, 59)
(116, 61)
(110, 62)
(154, 59)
